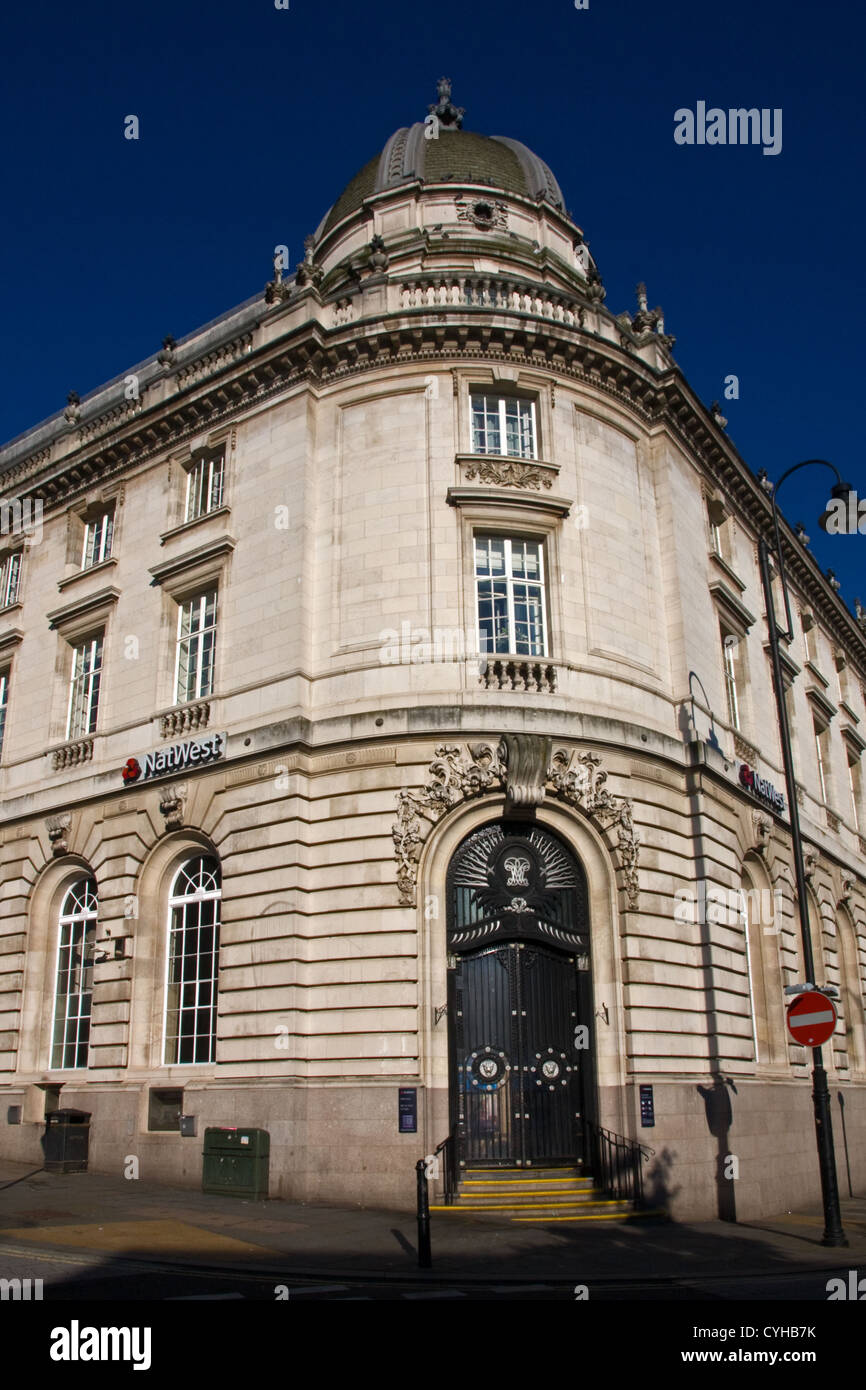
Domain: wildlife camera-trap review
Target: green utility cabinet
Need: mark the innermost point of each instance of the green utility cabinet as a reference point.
(235, 1162)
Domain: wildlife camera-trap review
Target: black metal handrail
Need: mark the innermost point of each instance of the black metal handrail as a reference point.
(617, 1163)
(448, 1149)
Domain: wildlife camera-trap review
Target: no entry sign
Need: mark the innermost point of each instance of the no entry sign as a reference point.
(811, 1019)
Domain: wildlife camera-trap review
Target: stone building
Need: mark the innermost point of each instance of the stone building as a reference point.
(383, 669)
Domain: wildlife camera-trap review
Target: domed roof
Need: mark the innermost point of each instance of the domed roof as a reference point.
(448, 155)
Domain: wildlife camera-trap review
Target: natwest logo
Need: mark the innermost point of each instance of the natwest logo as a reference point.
(180, 757)
(760, 787)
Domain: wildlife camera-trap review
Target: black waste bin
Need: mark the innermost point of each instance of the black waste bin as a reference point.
(67, 1137)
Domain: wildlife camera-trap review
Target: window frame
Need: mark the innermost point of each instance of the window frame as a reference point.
(5, 678)
(822, 757)
(855, 782)
(207, 466)
(87, 944)
(200, 597)
(733, 685)
(180, 902)
(94, 676)
(508, 538)
(502, 400)
(11, 564)
(98, 525)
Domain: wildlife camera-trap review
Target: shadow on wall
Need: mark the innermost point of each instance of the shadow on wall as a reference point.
(658, 1191)
(720, 1114)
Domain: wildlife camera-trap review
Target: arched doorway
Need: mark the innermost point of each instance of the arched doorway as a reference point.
(520, 1014)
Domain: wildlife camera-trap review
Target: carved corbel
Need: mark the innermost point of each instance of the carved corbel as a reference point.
(172, 804)
(527, 759)
(58, 828)
(762, 827)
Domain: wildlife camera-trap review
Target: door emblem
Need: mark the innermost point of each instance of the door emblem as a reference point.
(518, 868)
(487, 1070)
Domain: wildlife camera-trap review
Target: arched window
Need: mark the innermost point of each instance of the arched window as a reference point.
(762, 926)
(853, 1023)
(193, 962)
(74, 988)
(818, 937)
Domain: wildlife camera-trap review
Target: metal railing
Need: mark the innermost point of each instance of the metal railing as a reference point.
(448, 1151)
(617, 1163)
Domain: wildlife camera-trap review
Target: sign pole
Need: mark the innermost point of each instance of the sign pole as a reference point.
(833, 1232)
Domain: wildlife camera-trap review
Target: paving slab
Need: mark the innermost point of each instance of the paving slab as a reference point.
(182, 1226)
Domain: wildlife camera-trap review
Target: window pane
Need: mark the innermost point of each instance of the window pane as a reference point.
(84, 689)
(4, 698)
(510, 595)
(196, 647)
(10, 569)
(190, 1018)
(74, 983)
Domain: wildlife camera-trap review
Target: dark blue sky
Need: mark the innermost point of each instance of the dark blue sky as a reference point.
(252, 120)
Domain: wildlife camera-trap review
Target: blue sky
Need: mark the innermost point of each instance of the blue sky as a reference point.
(252, 119)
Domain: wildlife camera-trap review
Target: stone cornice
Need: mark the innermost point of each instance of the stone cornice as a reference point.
(211, 552)
(87, 607)
(320, 357)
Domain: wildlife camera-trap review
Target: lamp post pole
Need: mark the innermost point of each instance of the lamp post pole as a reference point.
(833, 1232)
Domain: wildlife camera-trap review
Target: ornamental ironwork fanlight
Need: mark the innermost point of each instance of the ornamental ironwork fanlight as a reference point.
(516, 880)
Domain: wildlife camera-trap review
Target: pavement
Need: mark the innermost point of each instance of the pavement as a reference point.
(116, 1220)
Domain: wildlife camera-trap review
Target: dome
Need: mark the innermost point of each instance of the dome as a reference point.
(453, 156)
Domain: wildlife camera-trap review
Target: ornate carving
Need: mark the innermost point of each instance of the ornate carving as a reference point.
(526, 758)
(848, 886)
(745, 751)
(445, 111)
(172, 802)
(487, 214)
(577, 779)
(58, 828)
(762, 827)
(508, 473)
(453, 777)
(165, 357)
(810, 862)
(308, 273)
(378, 254)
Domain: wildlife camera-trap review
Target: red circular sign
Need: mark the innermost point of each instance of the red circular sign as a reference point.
(811, 1019)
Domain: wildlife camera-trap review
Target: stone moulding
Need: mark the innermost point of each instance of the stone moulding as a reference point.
(508, 473)
(457, 775)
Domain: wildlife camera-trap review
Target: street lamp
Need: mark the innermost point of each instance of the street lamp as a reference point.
(833, 1232)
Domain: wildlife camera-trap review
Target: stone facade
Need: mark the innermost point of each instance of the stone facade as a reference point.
(366, 739)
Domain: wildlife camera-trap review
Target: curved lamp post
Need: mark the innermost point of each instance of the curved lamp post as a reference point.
(833, 1232)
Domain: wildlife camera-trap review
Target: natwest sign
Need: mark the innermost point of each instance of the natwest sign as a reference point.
(759, 787)
(180, 757)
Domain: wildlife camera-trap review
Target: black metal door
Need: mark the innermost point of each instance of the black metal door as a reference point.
(517, 1070)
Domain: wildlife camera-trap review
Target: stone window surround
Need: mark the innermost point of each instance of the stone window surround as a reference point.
(735, 620)
(179, 464)
(75, 622)
(499, 512)
(88, 508)
(502, 381)
(180, 578)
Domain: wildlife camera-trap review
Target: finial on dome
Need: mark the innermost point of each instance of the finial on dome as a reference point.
(445, 112)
